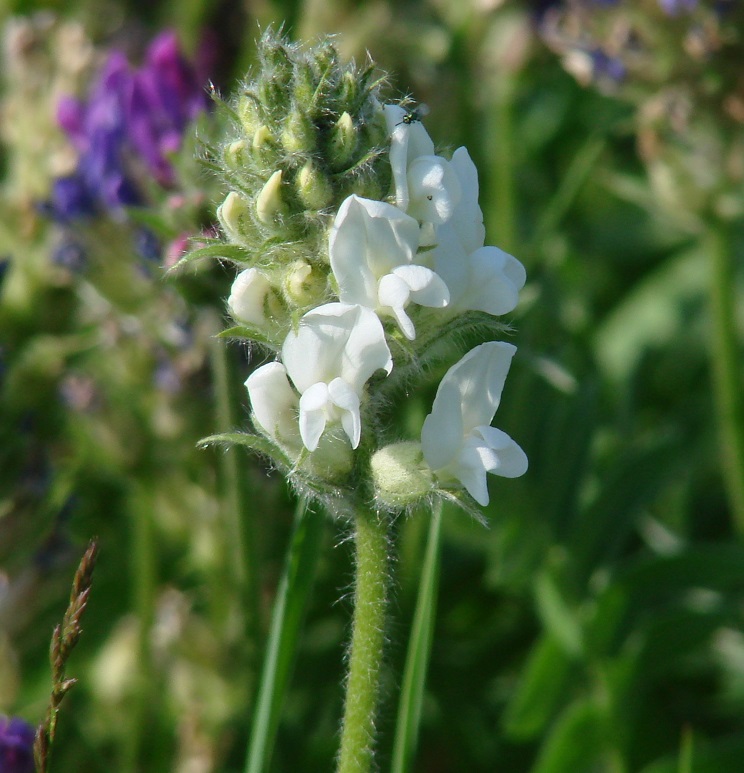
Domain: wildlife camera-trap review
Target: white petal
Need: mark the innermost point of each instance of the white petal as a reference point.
(367, 240)
(468, 218)
(427, 288)
(345, 398)
(366, 350)
(336, 339)
(508, 459)
(442, 433)
(433, 189)
(495, 279)
(248, 297)
(471, 472)
(313, 414)
(274, 402)
(407, 142)
(393, 293)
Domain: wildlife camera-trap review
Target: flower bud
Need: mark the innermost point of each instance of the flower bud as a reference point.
(248, 113)
(400, 473)
(269, 202)
(252, 299)
(234, 217)
(343, 142)
(304, 83)
(303, 286)
(314, 187)
(299, 134)
(235, 154)
(349, 90)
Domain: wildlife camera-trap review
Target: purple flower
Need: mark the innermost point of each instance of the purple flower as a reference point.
(131, 122)
(606, 67)
(16, 746)
(674, 7)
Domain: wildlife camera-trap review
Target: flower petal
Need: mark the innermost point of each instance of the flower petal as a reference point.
(313, 414)
(507, 458)
(345, 398)
(274, 403)
(433, 189)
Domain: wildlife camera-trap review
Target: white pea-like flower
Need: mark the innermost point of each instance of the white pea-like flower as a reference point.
(248, 297)
(331, 356)
(479, 278)
(426, 187)
(372, 247)
(457, 440)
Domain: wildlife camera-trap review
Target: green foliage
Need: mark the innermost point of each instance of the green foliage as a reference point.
(595, 625)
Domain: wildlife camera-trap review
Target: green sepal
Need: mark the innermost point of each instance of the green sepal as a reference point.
(253, 442)
(243, 333)
(215, 250)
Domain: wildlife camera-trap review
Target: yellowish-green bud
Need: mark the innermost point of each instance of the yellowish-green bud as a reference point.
(400, 473)
(248, 114)
(303, 285)
(343, 143)
(234, 216)
(349, 89)
(299, 134)
(235, 154)
(314, 187)
(262, 136)
(269, 202)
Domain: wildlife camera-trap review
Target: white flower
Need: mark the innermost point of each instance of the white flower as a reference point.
(479, 278)
(372, 247)
(425, 185)
(248, 297)
(275, 404)
(457, 439)
(335, 350)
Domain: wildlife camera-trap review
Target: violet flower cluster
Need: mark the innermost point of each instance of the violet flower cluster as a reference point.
(16, 746)
(127, 129)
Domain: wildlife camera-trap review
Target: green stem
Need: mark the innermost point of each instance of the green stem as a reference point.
(419, 651)
(367, 643)
(726, 369)
(286, 621)
(144, 582)
(238, 533)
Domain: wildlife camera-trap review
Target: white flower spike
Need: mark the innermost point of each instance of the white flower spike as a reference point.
(457, 440)
(336, 349)
(372, 247)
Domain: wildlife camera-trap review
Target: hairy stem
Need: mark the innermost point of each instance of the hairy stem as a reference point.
(367, 643)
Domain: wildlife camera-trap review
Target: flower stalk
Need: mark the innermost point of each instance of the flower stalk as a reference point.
(367, 643)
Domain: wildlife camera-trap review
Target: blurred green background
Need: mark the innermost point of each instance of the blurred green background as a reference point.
(596, 624)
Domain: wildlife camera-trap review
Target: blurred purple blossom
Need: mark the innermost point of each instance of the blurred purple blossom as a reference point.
(674, 7)
(16, 746)
(131, 122)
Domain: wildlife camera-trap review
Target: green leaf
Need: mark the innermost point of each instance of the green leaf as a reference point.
(543, 688)
(724, 755)
(290, 604)
(556, 614)
(419, 650)
(575, 742)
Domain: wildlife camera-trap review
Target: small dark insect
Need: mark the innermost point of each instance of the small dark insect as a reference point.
(415, 115)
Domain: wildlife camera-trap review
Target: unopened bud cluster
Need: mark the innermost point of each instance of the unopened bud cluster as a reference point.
(360, 252)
